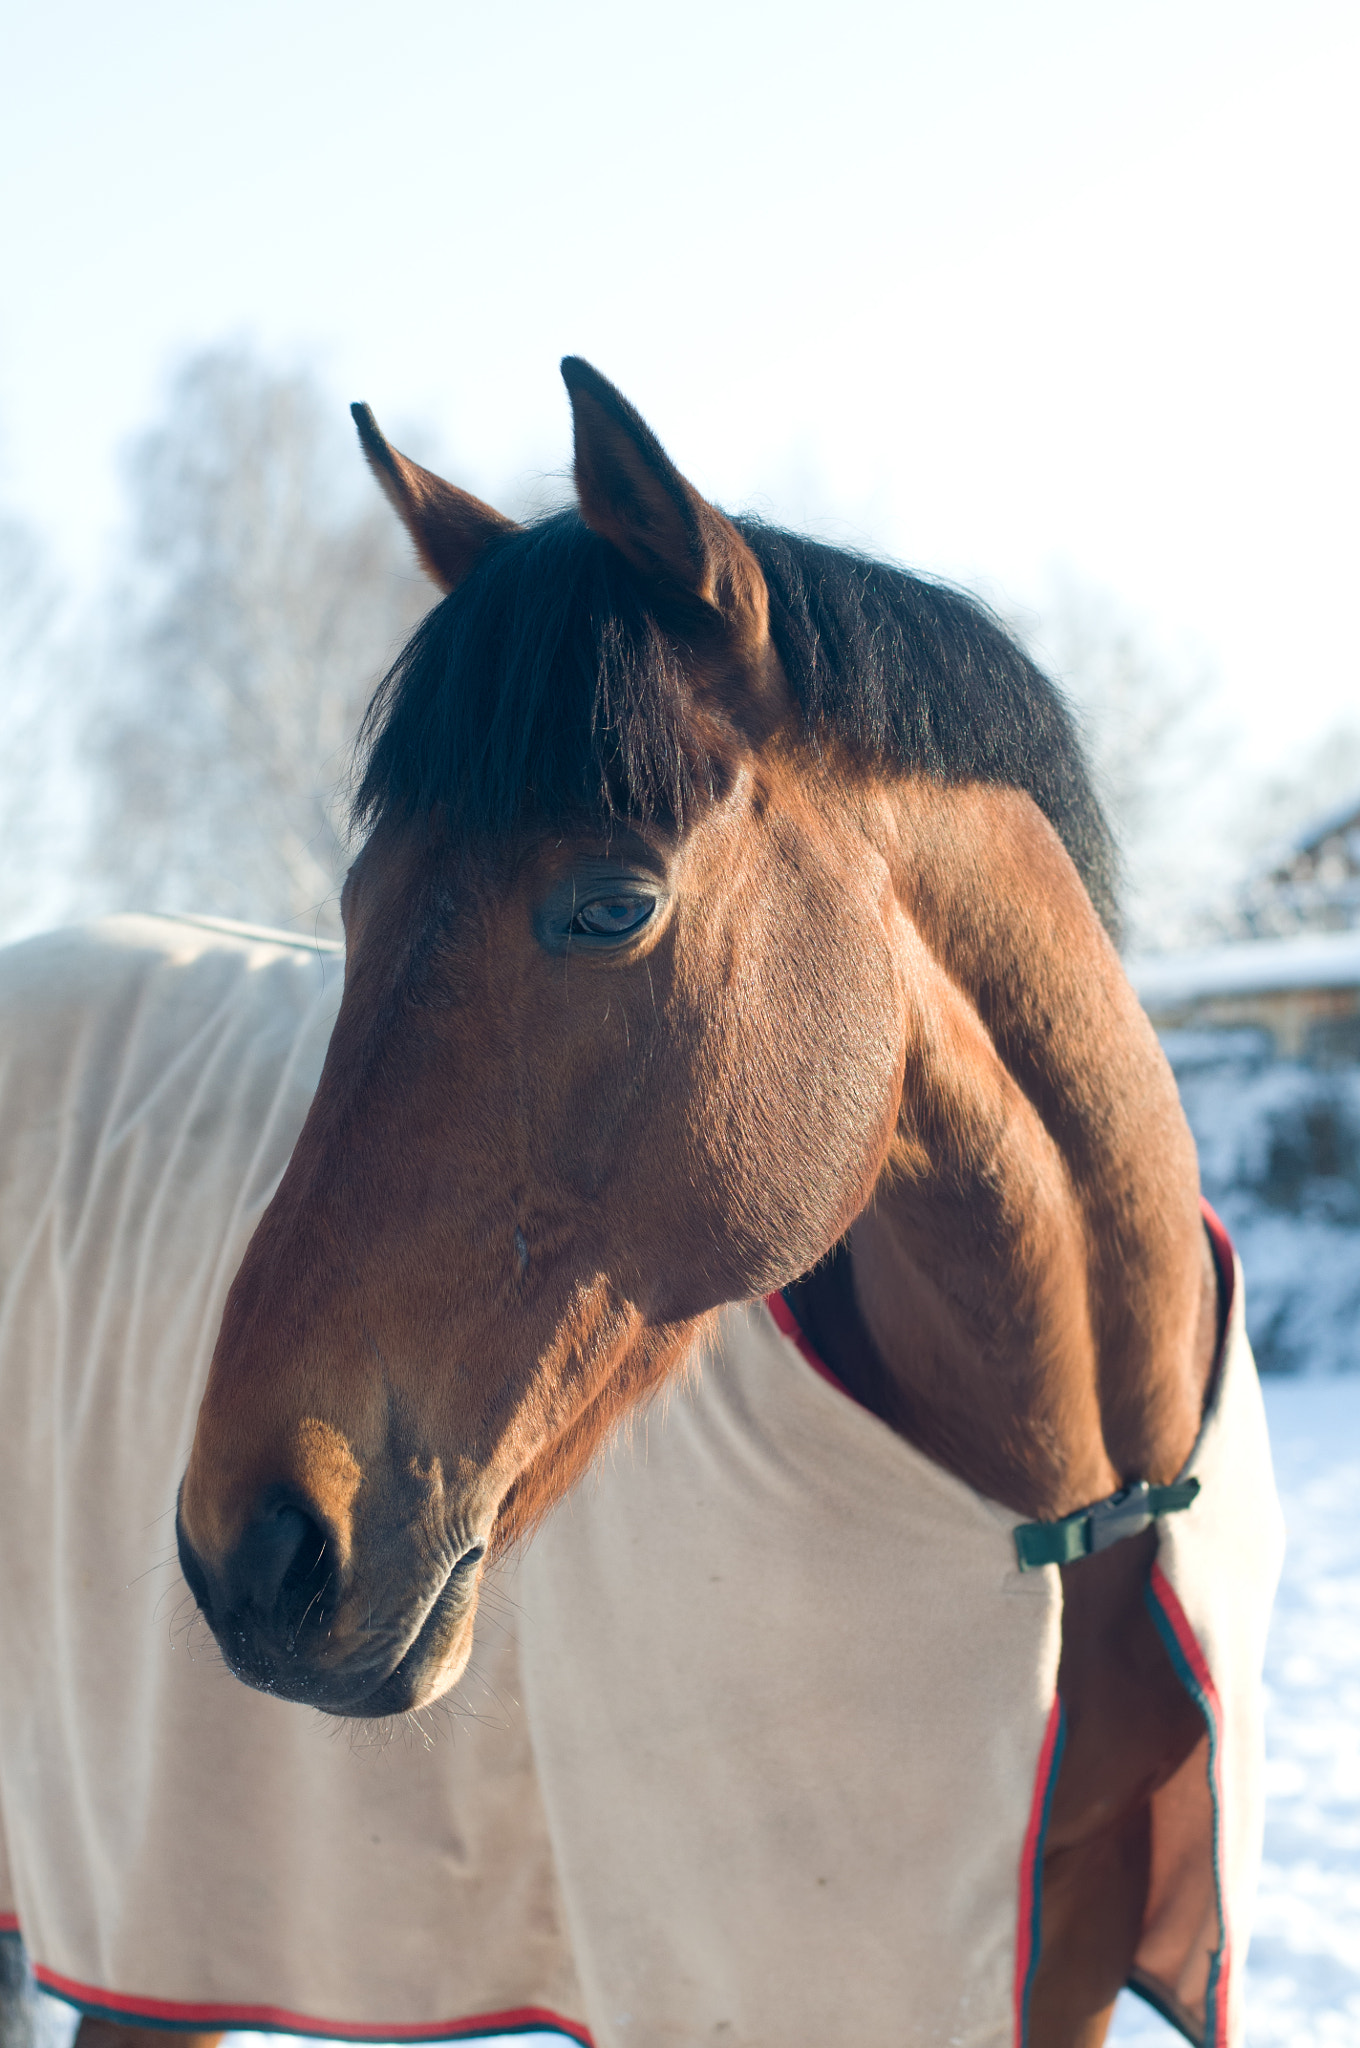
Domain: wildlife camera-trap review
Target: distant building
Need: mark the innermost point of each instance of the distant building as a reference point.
(1263, 1035)
(1304, 991)
(1311, 885)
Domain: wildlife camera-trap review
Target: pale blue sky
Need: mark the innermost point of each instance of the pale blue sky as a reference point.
(1005, 290)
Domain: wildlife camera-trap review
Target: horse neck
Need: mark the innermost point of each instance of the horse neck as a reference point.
(1030, 1275)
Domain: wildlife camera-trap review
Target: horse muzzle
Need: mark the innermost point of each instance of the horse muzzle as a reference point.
(291, 1620)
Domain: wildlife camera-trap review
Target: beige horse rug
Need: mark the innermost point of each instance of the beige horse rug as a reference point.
(758, 1738)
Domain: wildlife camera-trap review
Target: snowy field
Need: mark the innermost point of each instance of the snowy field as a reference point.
(1304, 1971)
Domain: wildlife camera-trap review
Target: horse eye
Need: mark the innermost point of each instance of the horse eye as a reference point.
(614, 917)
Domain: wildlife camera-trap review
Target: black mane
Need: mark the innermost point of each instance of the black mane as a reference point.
(544, 688)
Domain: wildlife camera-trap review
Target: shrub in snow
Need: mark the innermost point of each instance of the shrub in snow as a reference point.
(1279, 1150)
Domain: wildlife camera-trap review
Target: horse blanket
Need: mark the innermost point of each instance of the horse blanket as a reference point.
(758, 1736)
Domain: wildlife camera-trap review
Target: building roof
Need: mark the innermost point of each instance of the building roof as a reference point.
(1339, 819)
(1250, 967)
(1310, 883)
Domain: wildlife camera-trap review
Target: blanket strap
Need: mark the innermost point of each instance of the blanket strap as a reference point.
(1126, 1513)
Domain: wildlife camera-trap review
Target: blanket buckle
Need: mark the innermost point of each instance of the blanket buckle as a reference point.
(1106, 1522)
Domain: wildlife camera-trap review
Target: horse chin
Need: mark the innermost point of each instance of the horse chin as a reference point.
(423, 1675)
(346, 1683)
(435, 1661)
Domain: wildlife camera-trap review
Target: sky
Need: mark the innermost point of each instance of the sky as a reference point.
(1024, 294)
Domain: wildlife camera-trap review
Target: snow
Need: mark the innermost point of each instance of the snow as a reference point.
(1253, 967)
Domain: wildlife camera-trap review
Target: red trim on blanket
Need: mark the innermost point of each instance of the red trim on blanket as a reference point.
(1199, 1682)
(9, 1923)
(1027, 1924)
(273, 2019)
(786, 1322)
(1224, 1256)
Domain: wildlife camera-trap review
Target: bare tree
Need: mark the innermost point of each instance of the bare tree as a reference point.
(267, 588)
(1160, 760)
(1300, 838)
(1320, 776)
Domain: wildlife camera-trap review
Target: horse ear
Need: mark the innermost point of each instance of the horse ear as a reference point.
(632, 495)
(449, 527)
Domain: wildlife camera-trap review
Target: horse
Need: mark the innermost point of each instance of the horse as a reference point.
(735, 923)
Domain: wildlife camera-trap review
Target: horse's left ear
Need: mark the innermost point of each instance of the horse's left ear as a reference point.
(632, 495)
(449, 527)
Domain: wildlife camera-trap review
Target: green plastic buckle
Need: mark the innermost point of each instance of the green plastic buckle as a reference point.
(1126, 1513)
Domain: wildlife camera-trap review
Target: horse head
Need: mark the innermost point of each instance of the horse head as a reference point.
(622, 1039)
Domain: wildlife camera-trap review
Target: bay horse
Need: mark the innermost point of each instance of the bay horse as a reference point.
(735, 919)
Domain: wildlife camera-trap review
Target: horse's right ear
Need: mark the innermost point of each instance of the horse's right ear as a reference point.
(449, 527)
(632, 495)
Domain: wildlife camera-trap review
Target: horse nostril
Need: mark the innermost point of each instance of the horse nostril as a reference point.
(284, 1565)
